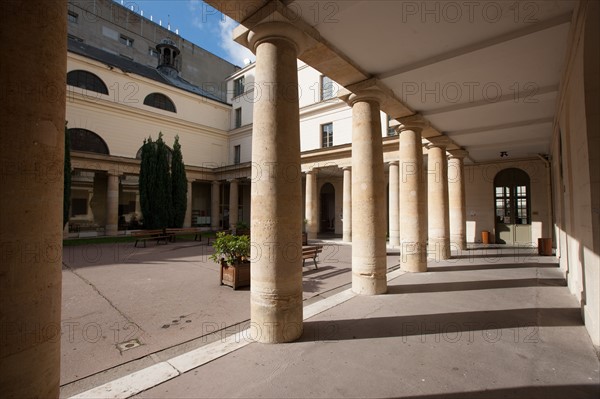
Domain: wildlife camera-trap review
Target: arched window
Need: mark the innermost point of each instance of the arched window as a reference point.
(87, 81)
(88, 141)
(158, 100)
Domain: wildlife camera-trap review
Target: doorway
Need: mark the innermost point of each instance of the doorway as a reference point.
(327, 217)
(512, 191)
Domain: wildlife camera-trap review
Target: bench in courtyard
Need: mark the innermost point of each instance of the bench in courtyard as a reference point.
(311, 252)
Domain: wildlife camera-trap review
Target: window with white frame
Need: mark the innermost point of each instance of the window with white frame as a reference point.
(327, 88)
(238, 86)
(327, 135)
(237, 154)
(126, 40)
(238, 117)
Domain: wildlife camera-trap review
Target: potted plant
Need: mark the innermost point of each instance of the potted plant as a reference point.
(232, 253)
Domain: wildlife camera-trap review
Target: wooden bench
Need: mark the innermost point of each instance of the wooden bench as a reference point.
(185, 230)
(311, 252)
(145, 235)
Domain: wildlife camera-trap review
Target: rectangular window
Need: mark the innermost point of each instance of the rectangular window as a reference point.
(238, 87)
(72, 17)
(126, 40)
(327, 135)
(238, 117)
(391, 131)
(327, 88)
(237, 154)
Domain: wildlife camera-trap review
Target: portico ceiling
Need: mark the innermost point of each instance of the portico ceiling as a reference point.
(486, 73)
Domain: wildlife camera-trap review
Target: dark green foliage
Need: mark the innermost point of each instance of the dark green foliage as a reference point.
(67, 179)
(147, 183)
(179, 185)
(163, 186)
(162, 194)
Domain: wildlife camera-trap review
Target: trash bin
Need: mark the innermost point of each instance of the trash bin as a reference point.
(545, 246)
(485, 237)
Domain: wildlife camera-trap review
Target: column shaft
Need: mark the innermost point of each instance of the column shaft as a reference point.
(394, 192)
(31, 204)
(347, 205)
(233, 203)
(413, 227)
(215, 199)
(187, 222)
(456, 200)
(312, 216)
(368, 195)
(112, 205)
(439, 220)
(276, 201)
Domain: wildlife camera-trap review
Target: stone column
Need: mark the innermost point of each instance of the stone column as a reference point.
(215, 198)
(31, 204)
(112, 204)
(437, 200)
(394, 204)
(233, 203)
(187, 222)
(413, 229)
(347, 205)
(456, 199)
(276, 201)
(368, 197)
(312, 213)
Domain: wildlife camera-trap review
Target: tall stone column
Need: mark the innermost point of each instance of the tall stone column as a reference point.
(368, 197)
(31, 204)
(276, 201)
(347, 205)
(456, 199)
(312, 215)
(233, 203)
(413, 229)
(215, 199)
(437, 192)
(394, 204)
(112, 204)
(187, 222)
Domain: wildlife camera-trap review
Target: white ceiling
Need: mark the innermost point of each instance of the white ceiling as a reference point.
(484, 73)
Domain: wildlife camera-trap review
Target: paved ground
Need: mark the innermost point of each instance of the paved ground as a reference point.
(492, 323)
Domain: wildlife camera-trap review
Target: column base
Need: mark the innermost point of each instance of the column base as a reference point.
(275, 319)
(440, 248)
(369, 285)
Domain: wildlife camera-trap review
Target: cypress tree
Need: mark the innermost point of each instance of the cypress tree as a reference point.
(67, 178)
(179, 185)
(146, 182)
(161, 195)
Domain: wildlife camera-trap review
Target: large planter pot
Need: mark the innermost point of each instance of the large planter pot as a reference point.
(235, 276)
(304, 238)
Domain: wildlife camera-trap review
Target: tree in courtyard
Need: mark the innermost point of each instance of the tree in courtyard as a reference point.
(155, 184)
(179, 185)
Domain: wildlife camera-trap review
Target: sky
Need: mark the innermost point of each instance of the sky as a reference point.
(198, 23)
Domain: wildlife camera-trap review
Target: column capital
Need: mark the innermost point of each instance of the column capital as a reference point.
(396, 163)
(414, 123)
(369, 95)
(277, 30)
(435, 145)
(113, 172)
(216, 182)
(458, 154)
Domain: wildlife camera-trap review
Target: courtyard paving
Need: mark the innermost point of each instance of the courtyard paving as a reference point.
(492, 322)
